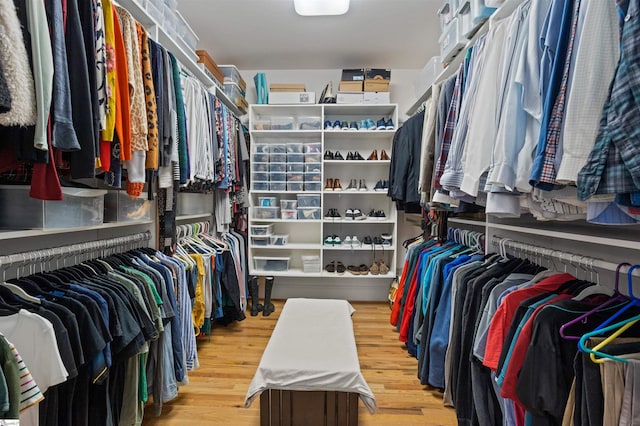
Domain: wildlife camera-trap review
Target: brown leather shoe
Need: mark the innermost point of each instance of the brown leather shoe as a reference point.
(329, 185)
(374, 155)
(336, 185)
(384, 155)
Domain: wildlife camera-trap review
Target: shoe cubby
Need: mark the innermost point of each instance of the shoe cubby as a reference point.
(312, 182)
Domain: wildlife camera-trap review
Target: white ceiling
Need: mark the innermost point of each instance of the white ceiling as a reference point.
(268, 34)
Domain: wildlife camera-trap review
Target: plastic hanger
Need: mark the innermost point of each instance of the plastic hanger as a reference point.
(633, 302)
(18, 291)
(620, 328)
(618, 297)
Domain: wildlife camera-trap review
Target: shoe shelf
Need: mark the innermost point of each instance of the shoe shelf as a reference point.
(306, 237)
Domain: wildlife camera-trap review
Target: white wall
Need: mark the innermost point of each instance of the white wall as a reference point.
(400, 88)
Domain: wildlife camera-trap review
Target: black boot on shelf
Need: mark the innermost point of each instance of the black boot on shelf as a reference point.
(268, 306)
(256, 307)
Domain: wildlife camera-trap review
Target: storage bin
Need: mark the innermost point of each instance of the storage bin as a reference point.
(294, 148)
(279, 240)
(80, 207)
(119, 207)
(447, 12)
(308, 200)
(170, 19)
(261, 240)
(282, 123)
(278, 148)
(427, 75)
(260, 186)
(295, 177)
(171, 3)
(274, 264)
(189, 37)
(480, 11)
(277, 177)
(309, 213)
(267, 202)
(278, 186)
(295, 158)
(451, 41)
(262, 125)
(262, 147)
(278, 167)
(232, 75)
(313, 157)
(278, 157)
(466, 18)
(233, 92)
(295, 167)
(288, 204)
(313, 186)
(289, 214)
(313, 147)
(156, 13)
(311, 263)
(265, 212)
(262, 167)
(309, 123)
(259, 176)
(313, 177)
(189, 203)
(261, 229)
(312, 167)
(261, 157)
(295, 186)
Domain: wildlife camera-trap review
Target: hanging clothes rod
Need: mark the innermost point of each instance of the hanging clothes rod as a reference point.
(569, 259)
(63, 252)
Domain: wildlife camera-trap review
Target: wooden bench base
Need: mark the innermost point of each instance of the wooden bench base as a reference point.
(308, 408)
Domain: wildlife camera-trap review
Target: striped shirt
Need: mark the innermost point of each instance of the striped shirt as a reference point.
(29, 391)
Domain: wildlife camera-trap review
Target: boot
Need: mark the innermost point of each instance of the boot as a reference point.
(253, 289)
(268, 306)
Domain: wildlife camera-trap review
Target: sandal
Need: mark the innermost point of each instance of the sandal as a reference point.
(330, 267)
(353, 270)
(384, 269)
(340, 268)
(364, 269)
(374, 269)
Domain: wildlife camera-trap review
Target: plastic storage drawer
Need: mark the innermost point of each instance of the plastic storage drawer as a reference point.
(279, 240)
(267, 202)
(260, 240)
(260, 186)
(278, 186)
(277, 176)
(289, 214)
(155, 10)
(294, 148)
(282, 123)
(313, 186)
(311, 263)
(231, 74)
(447, 12)
(308, 200)
(312, 167)
(266, 212)
(278, 157)
(295, 167)
(313, 157)
(262, 157)
(309, 123)
(273, 264)
(262, 147)
(295, 186)
(261, 229)
(277, 167)
(314, 147)
(262, 125)
(313, 177)
(260, 167)
(260, 176)
(288, 204)
(295, 158)
(451, 41)
(309, 213)
(295, 177)
(80, 207)
(119, 207)
(278, 148)
(233, 91)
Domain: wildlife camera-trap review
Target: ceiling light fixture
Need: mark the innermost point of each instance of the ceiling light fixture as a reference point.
(321, 7)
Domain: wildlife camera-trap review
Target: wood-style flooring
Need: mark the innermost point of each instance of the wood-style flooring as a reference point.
(216, 391)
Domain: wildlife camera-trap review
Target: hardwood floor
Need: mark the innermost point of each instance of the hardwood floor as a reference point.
(216, 391)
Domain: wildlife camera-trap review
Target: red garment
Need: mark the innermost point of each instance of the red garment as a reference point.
(397, 302)
(508, 389)
(121, 92)
(504, 315)
(409, 305)
(105, 155)
(45, 184)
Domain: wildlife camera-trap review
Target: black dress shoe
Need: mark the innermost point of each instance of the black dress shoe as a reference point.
(357, 156)
(338, 156)
(328, 155)
(350, 156)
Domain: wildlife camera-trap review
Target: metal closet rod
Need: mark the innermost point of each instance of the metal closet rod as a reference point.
(62, 252)
(569, 259)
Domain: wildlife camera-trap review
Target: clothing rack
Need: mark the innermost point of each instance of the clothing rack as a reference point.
(101, 247)
(577, 261)
(191, 229)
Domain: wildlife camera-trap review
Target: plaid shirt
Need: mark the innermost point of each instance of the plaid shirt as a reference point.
(613, 166)
(449, 127)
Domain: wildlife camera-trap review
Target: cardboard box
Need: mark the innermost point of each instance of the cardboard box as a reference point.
(210, 64)
(280, 87)
(354, 74)
(376, 98)
(350, 86)
(377, 79)
(376, 85)
(291, 98)
(350, 98)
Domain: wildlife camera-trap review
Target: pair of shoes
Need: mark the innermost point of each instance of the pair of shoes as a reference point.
(373, 156)
(354, 214)
(367, 124)
(381, 185)
(333, 185)
(383, 124)
(367, 241)
(335, 266)
(384, 155)
(358, 270)
(379, 267)
(332, 240)
(386, 240)
(359, 185)
(377, 215)
(354, 156)
(352, 241)
(328, 155)
(337, 125)
(332, 214)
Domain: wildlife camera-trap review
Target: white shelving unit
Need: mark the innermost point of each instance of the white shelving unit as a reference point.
(306, 237)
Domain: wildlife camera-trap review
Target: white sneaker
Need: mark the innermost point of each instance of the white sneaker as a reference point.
(355, 243)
